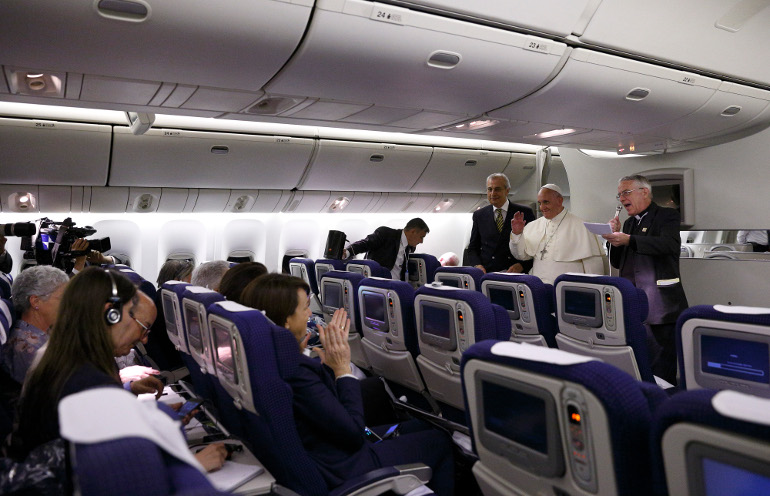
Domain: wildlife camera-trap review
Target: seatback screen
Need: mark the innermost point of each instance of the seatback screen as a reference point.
(296, 270)
(735, 358)
(436, 320)
(224, 356)
(332, 292)
(169, 314)
(516, 416)
(506, 298)
(193, 327)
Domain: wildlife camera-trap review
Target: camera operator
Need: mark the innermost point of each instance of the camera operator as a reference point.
(92, 257)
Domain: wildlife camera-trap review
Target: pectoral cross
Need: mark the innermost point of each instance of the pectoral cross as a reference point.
(542, 253)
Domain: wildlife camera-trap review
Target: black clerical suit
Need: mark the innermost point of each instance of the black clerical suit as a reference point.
(651, 262)
(487, 246)
(381, 246)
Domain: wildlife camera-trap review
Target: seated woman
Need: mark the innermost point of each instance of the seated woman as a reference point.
(237, 278)
(328, 407)
(36, 295)
(97, 322)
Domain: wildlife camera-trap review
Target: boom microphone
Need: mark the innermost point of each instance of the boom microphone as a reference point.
(18, 229)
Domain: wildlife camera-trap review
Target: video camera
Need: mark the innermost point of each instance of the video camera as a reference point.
(53, 245)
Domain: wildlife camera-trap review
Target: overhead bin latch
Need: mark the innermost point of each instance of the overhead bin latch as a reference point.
(441, 59)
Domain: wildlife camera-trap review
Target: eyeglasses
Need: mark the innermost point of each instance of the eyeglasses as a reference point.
(146, 330)
(625, 193)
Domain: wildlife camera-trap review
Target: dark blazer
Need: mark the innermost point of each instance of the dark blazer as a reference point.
(329, 415)
(381, 246)
(488, 247)
(6, 263)
(655, 246)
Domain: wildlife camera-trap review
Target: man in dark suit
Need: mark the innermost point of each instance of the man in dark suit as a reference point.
(488, 248)
(647, 253)
(390, 247)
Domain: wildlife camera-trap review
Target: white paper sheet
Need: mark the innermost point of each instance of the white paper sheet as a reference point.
(598, 228)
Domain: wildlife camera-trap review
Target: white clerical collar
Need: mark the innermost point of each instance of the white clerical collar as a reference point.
(559, 217)
(640, 217)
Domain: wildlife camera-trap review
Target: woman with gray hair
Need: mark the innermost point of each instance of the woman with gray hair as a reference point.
(36, 294)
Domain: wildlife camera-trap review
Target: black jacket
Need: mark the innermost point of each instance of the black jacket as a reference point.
(488, 247)
(381, 246)
(655, 247)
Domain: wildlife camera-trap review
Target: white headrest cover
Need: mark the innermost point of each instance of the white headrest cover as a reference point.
(526, 351)
(232, 306)
(742, 406)
(743, 310)
(200, 290)
(104, 414)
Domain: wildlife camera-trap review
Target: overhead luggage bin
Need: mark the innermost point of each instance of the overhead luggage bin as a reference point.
(365, 166)
(732, 108)
(183, 38)
(369, 53)
(713, 35)
(460, 171)
(604, 92)
(211, 160)
(559, 17)
(54, 152)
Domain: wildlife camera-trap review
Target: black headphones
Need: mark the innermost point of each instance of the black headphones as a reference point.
(114, 313)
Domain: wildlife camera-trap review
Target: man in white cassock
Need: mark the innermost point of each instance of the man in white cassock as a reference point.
(558, 241)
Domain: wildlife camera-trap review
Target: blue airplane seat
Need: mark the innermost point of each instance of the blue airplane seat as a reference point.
(459, 277)
(139, 449)
(323, 265)
(6, 282)
(530, 305)
(140, 282)
(339, 289)
(255, 378)
(420, 269)
(545, 421)
(724, 347)
(304, 268)
(712, 442)
(390, 338)
(194, 307)
(603, 316)
(368, 268)
(448, 321)
(7, 318)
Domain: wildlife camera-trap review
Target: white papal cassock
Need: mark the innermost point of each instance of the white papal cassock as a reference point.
(559, 245)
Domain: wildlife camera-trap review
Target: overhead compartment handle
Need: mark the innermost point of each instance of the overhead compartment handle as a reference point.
(441, 59)
(123, 10)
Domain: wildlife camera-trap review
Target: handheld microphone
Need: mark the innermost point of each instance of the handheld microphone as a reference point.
(18, 229)
(617, 210)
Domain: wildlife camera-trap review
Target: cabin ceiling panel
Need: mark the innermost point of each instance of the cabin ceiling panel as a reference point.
(107, 200)
(220, 100)
(366, 166)
(459, 171)
(211, 200)
(173, 200)
(559, 17)
(377, 114)
(405, 202)
(465, 202)
(688, 32)
(270, 201)
(211, 160)
(174, 41)
(307, 202)
(413, 60)
(600, 91)
(113, 90)
(58, 199)
(54, 153)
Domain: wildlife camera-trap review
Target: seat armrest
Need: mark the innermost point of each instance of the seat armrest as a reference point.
(399, 479)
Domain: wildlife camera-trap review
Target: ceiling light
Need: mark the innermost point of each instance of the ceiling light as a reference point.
(443, 205)
(552, 134)
(36, 83)
(605, 154)
(471, 125)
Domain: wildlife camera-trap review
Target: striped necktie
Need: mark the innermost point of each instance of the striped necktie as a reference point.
(499, 219)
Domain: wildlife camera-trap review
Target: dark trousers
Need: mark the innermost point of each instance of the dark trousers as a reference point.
(661, 347)
(756, 247)
(419, 442)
